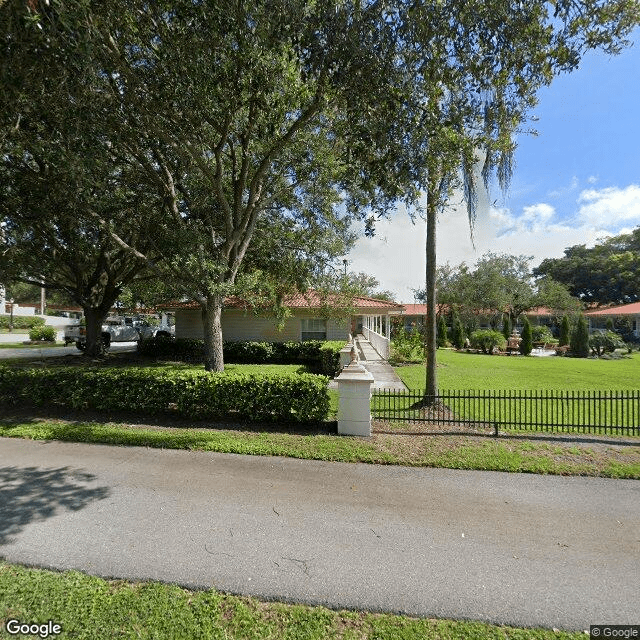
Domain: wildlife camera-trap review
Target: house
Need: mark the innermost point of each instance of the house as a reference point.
(415, 315)
(308, 320)
(628, 314)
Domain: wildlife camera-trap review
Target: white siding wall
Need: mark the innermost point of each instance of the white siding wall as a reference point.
(238, 325)
(189, 324)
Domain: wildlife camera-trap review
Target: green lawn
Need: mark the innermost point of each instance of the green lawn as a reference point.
(459, 370)
(87, 607)
(532, 379)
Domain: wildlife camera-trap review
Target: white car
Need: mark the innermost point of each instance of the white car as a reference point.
(117, 329)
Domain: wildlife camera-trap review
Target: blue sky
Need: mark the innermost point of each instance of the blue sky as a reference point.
(577, 181)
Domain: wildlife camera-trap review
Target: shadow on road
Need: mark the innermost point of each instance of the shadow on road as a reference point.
(31, 494)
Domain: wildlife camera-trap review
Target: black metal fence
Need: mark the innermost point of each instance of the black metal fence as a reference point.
(582, 411)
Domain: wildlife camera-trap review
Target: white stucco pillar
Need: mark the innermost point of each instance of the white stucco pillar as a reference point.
(354, 409)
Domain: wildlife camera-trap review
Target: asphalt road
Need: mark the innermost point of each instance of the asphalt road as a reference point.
(514, 549)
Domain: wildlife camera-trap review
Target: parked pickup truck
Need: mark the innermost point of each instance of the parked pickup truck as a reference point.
(116, 329)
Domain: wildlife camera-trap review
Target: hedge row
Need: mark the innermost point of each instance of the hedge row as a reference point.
(200, 395)
(20, 322)
(324, 357)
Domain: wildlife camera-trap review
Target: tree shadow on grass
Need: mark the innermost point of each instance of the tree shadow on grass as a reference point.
(32, 494)
(126, 419)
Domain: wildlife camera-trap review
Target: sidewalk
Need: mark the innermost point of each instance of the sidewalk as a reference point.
(13, 337)
(383, 373)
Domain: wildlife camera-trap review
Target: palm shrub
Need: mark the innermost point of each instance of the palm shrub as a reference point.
(605, 342)
(526, 342)
(488, 340)
(579, 343)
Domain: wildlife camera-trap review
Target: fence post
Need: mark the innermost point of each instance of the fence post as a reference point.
(354, 409)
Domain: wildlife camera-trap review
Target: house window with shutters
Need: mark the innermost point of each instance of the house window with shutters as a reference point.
(313, 329)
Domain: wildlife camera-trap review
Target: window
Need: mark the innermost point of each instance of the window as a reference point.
(313, 329)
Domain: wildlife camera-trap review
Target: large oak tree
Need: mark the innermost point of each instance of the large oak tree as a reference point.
(302, 114)
(609, 272)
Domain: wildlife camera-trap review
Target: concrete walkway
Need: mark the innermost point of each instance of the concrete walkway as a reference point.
(516, 549)
(384, 375)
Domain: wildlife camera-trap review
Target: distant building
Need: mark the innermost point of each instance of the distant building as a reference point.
(629, 312)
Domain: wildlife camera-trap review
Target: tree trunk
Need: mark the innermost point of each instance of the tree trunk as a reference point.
(94, 317)
(211, 319)
(430, 286)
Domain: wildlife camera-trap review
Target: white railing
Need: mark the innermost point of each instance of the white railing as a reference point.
(378, 342)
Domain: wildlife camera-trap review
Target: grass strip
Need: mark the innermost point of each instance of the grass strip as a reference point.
(452, 452)
(40, 345)
(88, 607)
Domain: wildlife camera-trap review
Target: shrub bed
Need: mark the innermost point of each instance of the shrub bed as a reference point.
(323, 357)
(40, 332)
(200, 395)
(20, 322)
(487, 341)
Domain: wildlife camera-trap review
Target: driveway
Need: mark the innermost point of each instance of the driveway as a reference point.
(53, 352)
(511, 549)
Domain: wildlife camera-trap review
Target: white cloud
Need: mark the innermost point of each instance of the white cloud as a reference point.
(610, 206)
(396, 256)
(592, 179)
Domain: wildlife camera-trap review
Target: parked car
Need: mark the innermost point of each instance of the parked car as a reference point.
(117, 329)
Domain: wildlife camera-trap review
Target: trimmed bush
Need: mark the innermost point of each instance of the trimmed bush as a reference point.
(542, 333)
(487, 340)
(330, 357)
(323, 357)
(248, 352)
(20, 322)
(200, 395)
(526, 338)
(506, 326)
(457, 331)
(580, 339)
(442, 332)
(48, 334)
(565, 331)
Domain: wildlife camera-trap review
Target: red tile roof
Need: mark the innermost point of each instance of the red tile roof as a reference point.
(421, 309)
(308, 300)
(623, 310)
